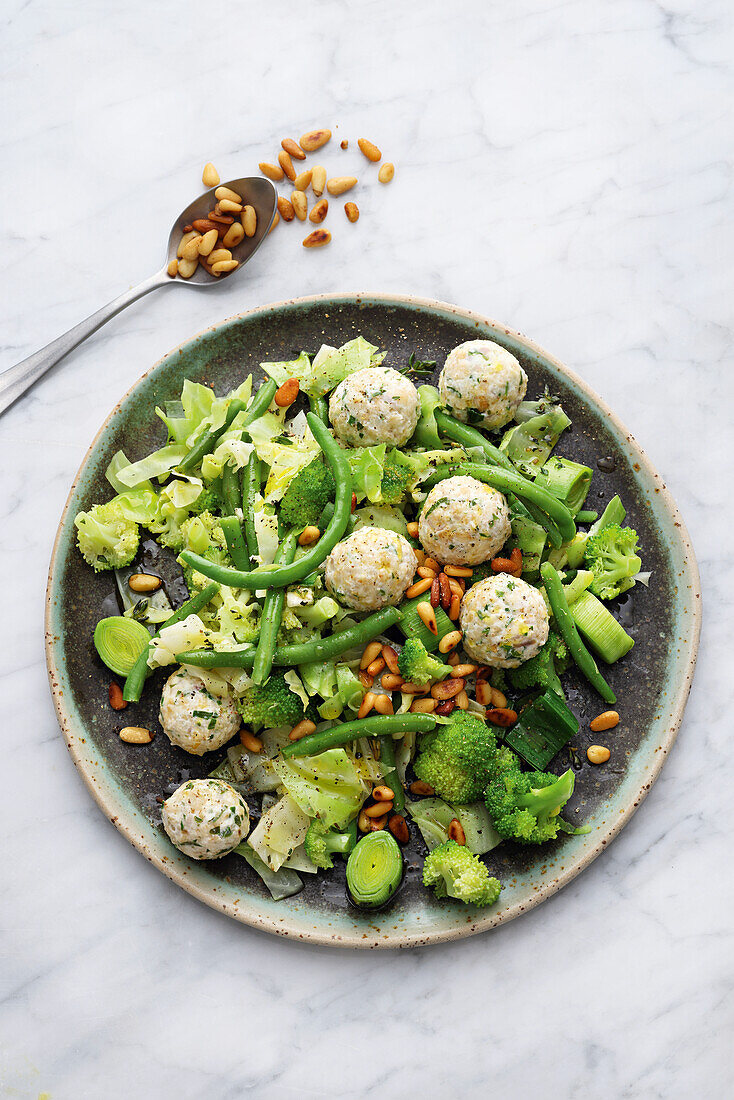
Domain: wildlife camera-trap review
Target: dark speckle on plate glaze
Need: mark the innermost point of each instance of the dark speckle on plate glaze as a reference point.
(651, 682)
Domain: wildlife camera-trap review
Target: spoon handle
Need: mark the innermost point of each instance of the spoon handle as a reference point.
(16, 380)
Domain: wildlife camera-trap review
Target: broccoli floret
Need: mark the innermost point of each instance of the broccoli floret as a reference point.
(418, 666)
(308, 494)
(611, 557)
(320, 842)
(524, 806)
(273, 704)
(540, 670)
(207, 501)
(397, 476)
(455, 872)
(106, 539)
(458, 759)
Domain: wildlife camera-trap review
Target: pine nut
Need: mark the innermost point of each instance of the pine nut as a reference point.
(423, 706)
(190, 250)
(219, 218)
(248, 218)
(447, 689)
(427, 616)
(377, 824)
(390, 681)
(317, 239)
(135, 735)
(210, 176)
(399, 829)
(319, 211)
(453, 659)
(273, 171)
(374, 668)
(114, 694)
(300, 205)
(274, 222)
(301, 729)
(203, 225)
(413, 530)
(418, 588)
(421, 789)
(251, 743)
(383, 704)
(309, 535)
(414, 689)
(465, 670)
(293, 148)
(386, 173)
(286, 394)
(449, 641)
(379, 809)
(484, 694)
(369, 149)
(303, 179)
(425, 571)
(458, 571)
(286, 164)
(391, 659)
(597, 754)
(227, 193)
(420, 555)
(337, 185)
(456, 831)
(367, 704)
(455, 587)
(435, 591)
(373, 650)
(446, 708)
(607, 720)
(227, 206)
(364, 823)
(445, 591)
(431, 563)
(352, 211)
(501, 716)
(144, 582)
(222, 267)
(314, 139)
(285, 209)
(365, 680)
(344, 144)
(498, 698)
(462, 701)
(186, 268)
(318, 180)
(234, 235)
(208, 241)
(455, 608)
(219, 254)
(172, 268)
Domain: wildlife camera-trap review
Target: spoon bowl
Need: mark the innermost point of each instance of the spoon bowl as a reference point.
(255, 191)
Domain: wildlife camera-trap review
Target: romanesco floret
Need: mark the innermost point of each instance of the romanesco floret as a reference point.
(525, 806)
(308, 494)
(455, 872)
(273, 704)
(106, 539)
(207, 501)
(611, 557)
(458, 759)
(321, 842)
(418, 666)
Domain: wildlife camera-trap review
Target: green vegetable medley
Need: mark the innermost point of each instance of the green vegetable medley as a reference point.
(358, 726)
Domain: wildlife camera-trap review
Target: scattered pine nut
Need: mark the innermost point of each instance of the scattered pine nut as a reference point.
(383, 704)
(273, 171)
(423, 706)
(462, 701)
(425, 571)
(447, 689)
(399, 828)
(458, 571)
(172, 268)
(300, 205)
(223, 267)
(499, 699)
(501, 716)
(337, 185)
(314, 139)
(208, 241)
(190, 250)
(229, 206)
(607, 720)
(418, 588)
(597, 754)
(431, 563)
(386, 173)
(364, 823)
(427, 615)
(456, 831)
(114, 694)
(374, 668)
(319, 211)
(251, 743)
(286, 164)
(367, 704)
(413, 529)
(309, 535)
(302, 729)
(391, 680)
(286, 394)
(352, 211)
(293, 148)
(285, 209)
(435, 591)
(303, 179)
(465, 670)
(227, 193)
(455, 608)
(484, 694)
(135, 735)
(317, 239)
(446, 708)
(234, 235)
(344, 144)
(379, 809)
(210, 176)
(421, 789)
(219, 254)
(391, 659)
(144, 582)
(449, 641)
(453, 659)
(414, 689)
(370, 150)
(373, 650)
(318, 180)
(186, 268)
(249, 221)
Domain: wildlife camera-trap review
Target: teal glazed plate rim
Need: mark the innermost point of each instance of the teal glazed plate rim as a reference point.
(652, 682)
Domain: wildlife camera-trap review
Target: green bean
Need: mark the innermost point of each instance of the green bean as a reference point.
(469, 437)
(319, 649)
(390, 773)
(580, 654)
(512, 482)
(207, 442)
(319, 407)
(230, 489)
(586, 515)
(235, 542)
(136, 679)
(250, 487)
(378, 725)
(277, 576)
(271, 615)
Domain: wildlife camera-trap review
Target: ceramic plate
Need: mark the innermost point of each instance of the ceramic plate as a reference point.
(652, 681)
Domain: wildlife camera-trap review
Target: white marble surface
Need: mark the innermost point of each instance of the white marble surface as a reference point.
(564, 167)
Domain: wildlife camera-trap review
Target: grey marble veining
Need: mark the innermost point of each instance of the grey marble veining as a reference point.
(563, 167)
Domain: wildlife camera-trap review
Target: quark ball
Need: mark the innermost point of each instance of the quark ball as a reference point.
(370, 569)
(206, 818)
(374, 405)
(504, 621)
(193, 718)
(463, 522)
(483, 378)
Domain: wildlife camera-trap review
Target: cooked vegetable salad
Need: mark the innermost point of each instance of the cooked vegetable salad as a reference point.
(386, 584)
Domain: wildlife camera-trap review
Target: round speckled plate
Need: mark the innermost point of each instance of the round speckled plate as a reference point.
(653, 680)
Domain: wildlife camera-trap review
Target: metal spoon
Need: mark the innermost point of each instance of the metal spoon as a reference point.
(256, 191)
